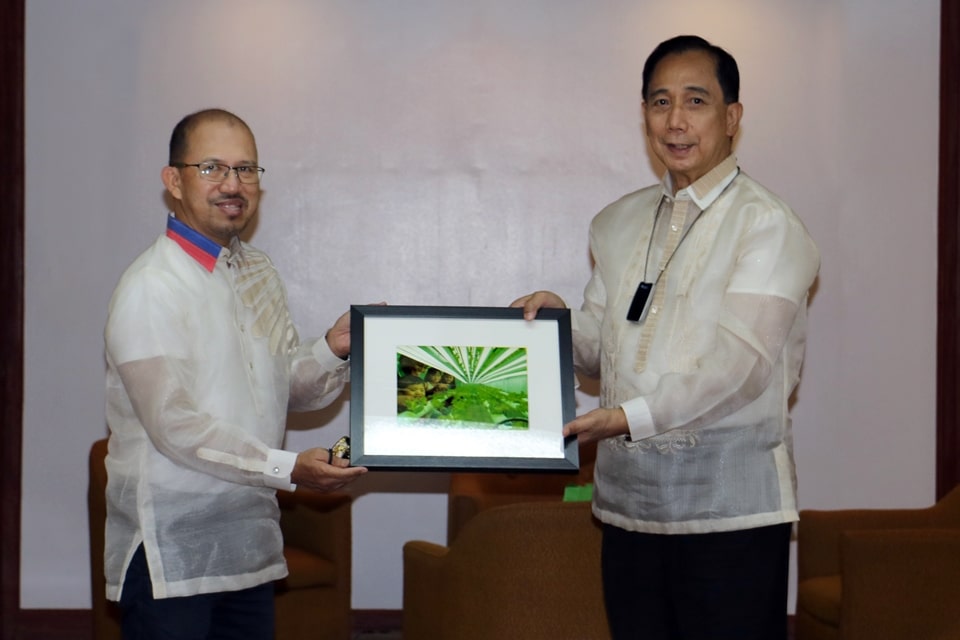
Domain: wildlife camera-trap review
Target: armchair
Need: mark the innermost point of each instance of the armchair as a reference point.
(317, 537)
(471, 493)
(523, 570)
(880, 573)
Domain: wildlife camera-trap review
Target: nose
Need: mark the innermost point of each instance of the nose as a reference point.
(676, 118)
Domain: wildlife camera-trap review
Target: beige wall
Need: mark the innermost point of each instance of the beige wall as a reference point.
(440, 153)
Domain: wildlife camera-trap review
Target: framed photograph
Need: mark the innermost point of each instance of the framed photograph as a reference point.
(461, 388)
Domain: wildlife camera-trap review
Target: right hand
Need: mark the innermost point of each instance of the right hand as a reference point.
(338, 336)
(315, 469)
(537, 300)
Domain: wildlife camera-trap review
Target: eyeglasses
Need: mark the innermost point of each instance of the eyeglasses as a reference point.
(215, 172)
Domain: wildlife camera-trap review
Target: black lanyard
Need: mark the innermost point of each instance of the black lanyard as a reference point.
(641, 299)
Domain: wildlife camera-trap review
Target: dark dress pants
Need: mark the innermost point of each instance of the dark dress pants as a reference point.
(711, 586)
(229, 615)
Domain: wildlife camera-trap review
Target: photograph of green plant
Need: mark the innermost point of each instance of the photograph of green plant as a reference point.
(467, 387)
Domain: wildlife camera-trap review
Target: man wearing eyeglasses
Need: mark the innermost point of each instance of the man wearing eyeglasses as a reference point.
(203, 363)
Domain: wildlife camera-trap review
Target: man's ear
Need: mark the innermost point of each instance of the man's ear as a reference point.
(734, 113)
(171, 180)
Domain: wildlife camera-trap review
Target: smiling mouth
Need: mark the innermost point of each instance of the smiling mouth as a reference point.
(232, 206)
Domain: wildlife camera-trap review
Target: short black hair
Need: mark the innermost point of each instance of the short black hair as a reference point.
(728, 74)
(181, 132)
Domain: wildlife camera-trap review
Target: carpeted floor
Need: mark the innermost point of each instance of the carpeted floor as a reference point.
(377, 625)
(396, 634)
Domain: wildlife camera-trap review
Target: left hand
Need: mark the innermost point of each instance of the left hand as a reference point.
(338, 336)
(597, 425)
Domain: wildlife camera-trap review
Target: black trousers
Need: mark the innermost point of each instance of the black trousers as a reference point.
(711, 586)
(228, 615)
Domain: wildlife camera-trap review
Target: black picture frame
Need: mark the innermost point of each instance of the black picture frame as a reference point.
(461, 388)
